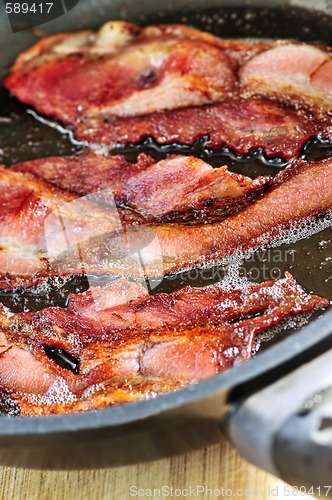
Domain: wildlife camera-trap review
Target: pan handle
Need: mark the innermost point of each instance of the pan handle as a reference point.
(286, 428)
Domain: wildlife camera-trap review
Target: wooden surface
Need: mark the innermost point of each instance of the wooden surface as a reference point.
(216, 467)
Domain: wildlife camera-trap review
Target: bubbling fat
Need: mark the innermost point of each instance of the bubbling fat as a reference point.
(58, 393)
(232, 264)
(233, 278)
(288, 324)
(303, 230)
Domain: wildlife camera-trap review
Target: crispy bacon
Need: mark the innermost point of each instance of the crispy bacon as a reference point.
(176, 84)
(39, 222)
(129, 339)
(300, 193)
(123, 306)
(118, 343)
(179, 187)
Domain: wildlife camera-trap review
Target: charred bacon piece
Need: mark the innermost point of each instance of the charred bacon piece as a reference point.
(179, 187)
(176, 84)
(167, 346)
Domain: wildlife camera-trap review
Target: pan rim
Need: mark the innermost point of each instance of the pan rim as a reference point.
(275, 356)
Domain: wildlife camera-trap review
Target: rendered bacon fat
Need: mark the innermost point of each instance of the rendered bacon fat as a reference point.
(177, 187)
(130, 345)
(175, 84)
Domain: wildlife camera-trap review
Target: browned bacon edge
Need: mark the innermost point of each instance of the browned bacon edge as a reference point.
(130, 346)
(242, 125)
(179, 187)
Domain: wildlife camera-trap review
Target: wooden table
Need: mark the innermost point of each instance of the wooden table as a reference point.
(216, 467)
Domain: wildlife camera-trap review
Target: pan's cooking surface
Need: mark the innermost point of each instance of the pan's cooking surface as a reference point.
(190, 418)
(22, 137)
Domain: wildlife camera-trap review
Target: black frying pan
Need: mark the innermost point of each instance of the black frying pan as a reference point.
(276, 408)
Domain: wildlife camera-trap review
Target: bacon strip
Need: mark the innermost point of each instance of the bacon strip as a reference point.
(121, 71)
(179, 187)
(242, 125)
(167, 346)
(299, 195)
(122, 306)
(176, 84)
(39, 222)
(104, 245)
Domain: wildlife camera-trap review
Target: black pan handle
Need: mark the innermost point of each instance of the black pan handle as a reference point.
(286, 428)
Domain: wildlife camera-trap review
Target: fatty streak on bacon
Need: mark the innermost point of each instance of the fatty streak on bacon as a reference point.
(176, 84)
(178, 187)
(167, 347)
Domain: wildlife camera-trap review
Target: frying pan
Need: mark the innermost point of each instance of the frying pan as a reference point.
(276, 408)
